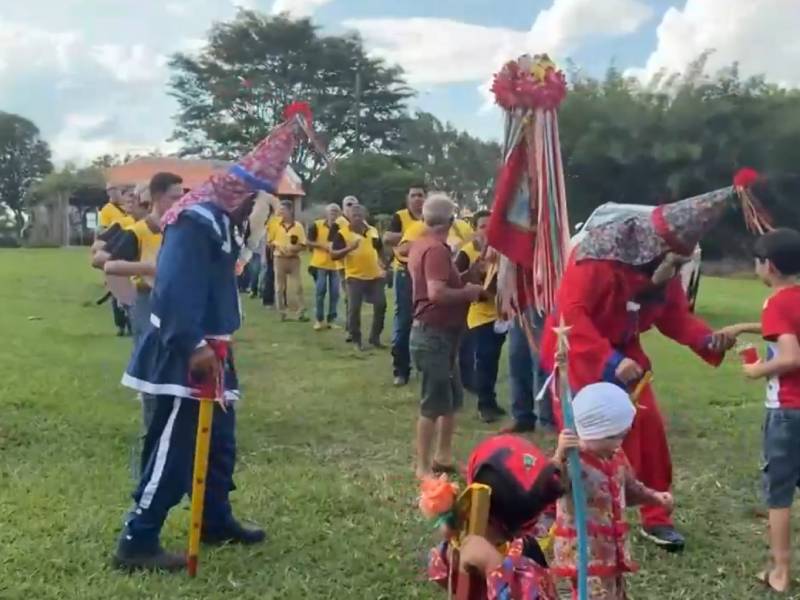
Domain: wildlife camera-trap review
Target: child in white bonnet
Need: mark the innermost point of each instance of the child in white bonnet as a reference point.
(603, 416)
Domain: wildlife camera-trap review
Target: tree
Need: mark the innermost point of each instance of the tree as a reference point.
(24, 160)
(234, 91)
(378, 181)
(58, 186)
(679, 135)
(451, 160)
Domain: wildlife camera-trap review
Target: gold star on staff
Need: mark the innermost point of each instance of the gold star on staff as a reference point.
(562, 333)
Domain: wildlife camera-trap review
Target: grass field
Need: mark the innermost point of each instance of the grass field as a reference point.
(325, 457)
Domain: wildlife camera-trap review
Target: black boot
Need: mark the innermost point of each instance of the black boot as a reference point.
(665, 536)
(131, 556)
(233, 532)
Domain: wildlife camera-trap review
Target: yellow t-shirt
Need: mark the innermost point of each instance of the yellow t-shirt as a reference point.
(149, 245)
(363, 262)
(321, 259)
(284, 237)
(111, 214)
(271, 226)
(342, 221)
(460, 233)
(484, 311)
(407, 222)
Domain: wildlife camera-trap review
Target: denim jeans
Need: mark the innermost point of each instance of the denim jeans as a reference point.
(140, 323)
(327, 282)
(268, 281)
(403, 315)
(254, 273)
(488, 345)
(526, 377)
(466, 360)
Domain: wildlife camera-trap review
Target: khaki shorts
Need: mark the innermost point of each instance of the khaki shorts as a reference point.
(434, 353)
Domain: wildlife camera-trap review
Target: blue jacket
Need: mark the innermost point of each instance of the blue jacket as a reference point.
(195, 297)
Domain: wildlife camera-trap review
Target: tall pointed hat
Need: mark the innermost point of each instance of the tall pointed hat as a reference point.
(677, 227)
(260, 170)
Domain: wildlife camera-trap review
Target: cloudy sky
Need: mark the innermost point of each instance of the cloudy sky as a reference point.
(92, 73)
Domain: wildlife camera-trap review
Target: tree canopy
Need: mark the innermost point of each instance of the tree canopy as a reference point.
(450, 160)
(24, 160)
(233, 92)
(680, 135)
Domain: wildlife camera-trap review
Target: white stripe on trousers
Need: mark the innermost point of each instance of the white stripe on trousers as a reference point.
(161, 457)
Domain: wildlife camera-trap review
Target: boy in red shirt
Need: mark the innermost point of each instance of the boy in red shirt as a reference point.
(778, 265)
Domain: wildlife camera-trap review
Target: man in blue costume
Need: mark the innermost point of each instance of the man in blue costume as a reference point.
(195, 308)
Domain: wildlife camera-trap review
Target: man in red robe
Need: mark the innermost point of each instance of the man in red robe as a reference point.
(623, 279)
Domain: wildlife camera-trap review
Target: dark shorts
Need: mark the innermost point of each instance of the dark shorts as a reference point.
(434, 353)
(781, 456)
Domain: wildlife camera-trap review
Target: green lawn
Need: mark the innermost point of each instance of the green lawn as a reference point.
(325, 457)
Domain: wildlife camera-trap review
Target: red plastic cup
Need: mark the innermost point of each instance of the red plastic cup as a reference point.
(749, 355)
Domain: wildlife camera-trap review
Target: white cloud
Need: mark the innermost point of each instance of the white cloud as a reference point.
(761, 36)
(439, 50)
(86, 98)
(177, 9)
(297, 8)
(131, 64)
(434, 51)
(567, 23)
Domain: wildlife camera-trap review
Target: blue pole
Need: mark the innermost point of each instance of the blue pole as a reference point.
(578, 497)
(574, 466)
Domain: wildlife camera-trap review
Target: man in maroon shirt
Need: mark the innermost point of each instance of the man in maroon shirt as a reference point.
(440, 303)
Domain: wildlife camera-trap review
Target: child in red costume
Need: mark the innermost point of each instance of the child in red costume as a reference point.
(621, 281)
(509, 563)
(603, 415)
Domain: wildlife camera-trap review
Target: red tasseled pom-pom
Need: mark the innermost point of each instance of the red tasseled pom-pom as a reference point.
(298, 108)
(745, 177)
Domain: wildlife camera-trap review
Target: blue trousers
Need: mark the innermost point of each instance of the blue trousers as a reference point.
(526, 377)
(254, 270)
(466, 360)
(327, 282)
(488, 345)
(167, 476)
(403, 316)
(140, 322)
(268, 281)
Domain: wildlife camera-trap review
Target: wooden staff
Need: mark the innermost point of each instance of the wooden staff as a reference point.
(643, 383)
(472, 510)
(209, 392)
(573, 462)
(203, 441)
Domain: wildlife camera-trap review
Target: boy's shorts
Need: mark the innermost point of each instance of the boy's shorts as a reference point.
(434, 353)
(781, 470)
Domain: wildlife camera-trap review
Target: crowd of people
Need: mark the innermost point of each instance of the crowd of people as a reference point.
(622, 279)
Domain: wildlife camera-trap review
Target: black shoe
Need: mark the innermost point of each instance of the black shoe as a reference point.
(488, 416)
(121, 332)
(499, 411)
(520, 427)
(129, 558)
(664, 536)
(348, 339)
(234, 533)
(377, 345)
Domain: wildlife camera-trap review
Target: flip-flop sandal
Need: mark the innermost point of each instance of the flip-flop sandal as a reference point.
(763, 579)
